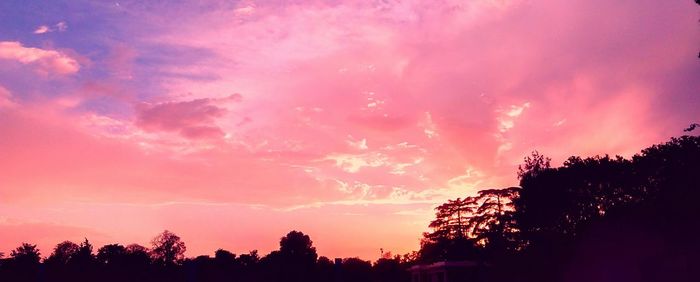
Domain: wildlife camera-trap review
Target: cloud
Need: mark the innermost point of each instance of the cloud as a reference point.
(79, 165)
(507, 119)
(245, 10)
(192, 119)
(60, 27)
(46, 61)
(120, 61)
(5, 98)
(359, 144)
(42, 29)
(353, 163)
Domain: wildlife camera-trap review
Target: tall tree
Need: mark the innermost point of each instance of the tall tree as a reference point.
(167, 249)
(452, 219)
(533, 165)
(493, 223)
(84, 253)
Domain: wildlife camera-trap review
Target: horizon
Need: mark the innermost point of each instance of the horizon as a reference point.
(231, 123)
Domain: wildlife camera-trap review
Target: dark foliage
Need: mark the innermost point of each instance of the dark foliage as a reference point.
(608, 218)
(598, 218)
(23, 264)
(473, 227)
(296, 260)
(167, 249)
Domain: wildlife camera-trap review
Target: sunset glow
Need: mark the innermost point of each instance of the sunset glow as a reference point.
(231, 123)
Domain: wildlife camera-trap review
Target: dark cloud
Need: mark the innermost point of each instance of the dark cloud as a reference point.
(192, 119)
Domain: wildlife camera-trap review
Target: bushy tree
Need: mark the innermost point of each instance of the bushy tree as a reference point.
(63, 252)
(167, 249)
(325, 270)
(295, 260)
(355, 269)
(606, 209)
(224, 255)
(389, 270)
(112, 254)
(298, 246)
(26, 254)
(23, 264)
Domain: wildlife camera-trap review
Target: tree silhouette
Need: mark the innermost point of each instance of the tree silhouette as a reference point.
(601, 209)
(224, 255)
(167, 249)
(459, 225)
(26, 254)
(451, 219)
(533, 164)
(636, 203)
(326, 270)
(493, 223)
(60, 264)
(597, 218)
(137, 250)
(295, 260)
(355, 269)
(435, 249)
(63, 252)
(250, 259)
(111, 254)
(389, 270)
(84, 254)
(23, 264)
(297, 245)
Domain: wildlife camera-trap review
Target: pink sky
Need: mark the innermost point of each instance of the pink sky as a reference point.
(232, 123)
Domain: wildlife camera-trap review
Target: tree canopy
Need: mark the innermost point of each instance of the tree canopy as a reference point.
(167, 248)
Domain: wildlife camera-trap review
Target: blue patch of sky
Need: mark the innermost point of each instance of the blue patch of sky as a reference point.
(94, 28)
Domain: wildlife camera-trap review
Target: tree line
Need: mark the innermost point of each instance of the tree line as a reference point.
(296, 261)
(597, 218)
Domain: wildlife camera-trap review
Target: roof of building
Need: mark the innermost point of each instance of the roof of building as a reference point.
(444, 264)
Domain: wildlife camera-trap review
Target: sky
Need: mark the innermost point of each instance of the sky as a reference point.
(232, 123)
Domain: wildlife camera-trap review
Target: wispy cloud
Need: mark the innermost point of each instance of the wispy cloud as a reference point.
(42, 29)
(58, 27)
